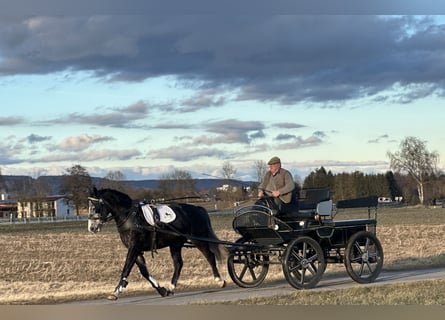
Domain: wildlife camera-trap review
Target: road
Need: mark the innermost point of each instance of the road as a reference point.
(233, 293)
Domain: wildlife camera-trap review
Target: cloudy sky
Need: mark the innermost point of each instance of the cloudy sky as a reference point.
(145, 94)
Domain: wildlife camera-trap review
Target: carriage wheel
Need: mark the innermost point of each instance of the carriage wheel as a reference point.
(247, 268)
(363, 257)
(303, 263)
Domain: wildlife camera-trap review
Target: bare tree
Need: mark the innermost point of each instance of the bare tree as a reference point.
(76, 183)
(177, 184)
(41, 187)
(3, 188)
(260, 169)
(414, 159)
(115, 180)
(228, 170)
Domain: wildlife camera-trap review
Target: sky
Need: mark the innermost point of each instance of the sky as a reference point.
(146, 94)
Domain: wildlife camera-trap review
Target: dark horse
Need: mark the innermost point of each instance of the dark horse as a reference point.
(192, 223)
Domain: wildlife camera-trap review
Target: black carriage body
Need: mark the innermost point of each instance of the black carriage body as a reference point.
(311, 221)
(258, 225)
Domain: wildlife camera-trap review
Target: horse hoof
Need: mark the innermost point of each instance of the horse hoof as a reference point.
(112, 297)
(221, 282)
(165, 292)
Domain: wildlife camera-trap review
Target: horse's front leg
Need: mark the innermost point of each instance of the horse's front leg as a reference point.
(140, 261)
(132, 254)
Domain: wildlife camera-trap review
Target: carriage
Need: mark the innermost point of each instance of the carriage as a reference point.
(304, 237)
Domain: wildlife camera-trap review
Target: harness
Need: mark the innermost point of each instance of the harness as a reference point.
(130, 214)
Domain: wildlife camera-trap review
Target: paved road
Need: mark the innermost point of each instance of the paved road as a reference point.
(232, 293)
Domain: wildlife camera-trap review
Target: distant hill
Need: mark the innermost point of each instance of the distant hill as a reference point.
(10, 184)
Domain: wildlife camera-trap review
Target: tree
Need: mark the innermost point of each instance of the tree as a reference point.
(394, 188)
(76, 183)
(228, 170)
(177, 184)
(260, 169)
(115, 180)
(2, 183)
(415, 159)
(319, 178)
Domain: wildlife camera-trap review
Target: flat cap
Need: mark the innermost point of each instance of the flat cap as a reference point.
(274, 160)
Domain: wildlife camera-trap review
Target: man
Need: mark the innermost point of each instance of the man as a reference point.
(277, 183)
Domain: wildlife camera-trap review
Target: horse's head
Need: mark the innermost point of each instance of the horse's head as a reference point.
(102, 205)
(97, 215)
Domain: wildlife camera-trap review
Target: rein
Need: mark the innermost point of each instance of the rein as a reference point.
(153, 201)
(166, 228)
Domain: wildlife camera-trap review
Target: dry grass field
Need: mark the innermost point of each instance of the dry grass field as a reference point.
(50, 263)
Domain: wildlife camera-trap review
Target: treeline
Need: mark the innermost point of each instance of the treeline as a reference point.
(358, 184)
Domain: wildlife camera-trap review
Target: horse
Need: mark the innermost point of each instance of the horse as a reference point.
(192, 224)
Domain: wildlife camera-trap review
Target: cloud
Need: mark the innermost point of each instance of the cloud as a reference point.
(100, 154)
(81, 142)
(184, 153)
(370, 166)
(379, 138)
(123, 117)
(11, 121)
(287, 59)
(299, 142)
(203, 99)
(231, 131)
(288, 125)
(34, 138)
(169, 126)
(10, 150)
(320, 134)
(285, 137)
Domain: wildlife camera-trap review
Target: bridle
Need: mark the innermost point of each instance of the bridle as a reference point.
(99, 207)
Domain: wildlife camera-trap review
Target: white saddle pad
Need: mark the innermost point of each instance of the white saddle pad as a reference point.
(166, 214)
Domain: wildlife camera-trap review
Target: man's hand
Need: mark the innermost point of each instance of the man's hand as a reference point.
(276, 193)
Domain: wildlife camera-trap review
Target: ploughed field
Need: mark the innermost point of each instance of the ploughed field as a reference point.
(50, 263)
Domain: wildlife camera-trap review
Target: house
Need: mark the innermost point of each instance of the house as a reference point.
(58, 206)
(8, 208)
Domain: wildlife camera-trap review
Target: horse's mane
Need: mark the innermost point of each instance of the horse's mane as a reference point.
(119, 196)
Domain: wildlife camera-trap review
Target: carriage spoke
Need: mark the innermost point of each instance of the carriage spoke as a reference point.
(303, 276)
(312, 268)
(250, 266)
(243, 272)
(298, 265)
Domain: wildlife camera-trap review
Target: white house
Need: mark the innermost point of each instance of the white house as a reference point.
(51, 206)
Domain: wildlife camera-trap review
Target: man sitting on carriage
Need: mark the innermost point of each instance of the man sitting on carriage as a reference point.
(277, 184)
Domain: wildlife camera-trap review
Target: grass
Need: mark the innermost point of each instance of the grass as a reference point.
(430, 292)
(50, 263)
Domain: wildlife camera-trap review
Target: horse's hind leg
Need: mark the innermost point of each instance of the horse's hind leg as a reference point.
(140, 261)
(204, 247)
(176, 254)
(134, 256)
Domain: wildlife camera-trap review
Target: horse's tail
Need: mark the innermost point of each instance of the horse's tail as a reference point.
(218, 249)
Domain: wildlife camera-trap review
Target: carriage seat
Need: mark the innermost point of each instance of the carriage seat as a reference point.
(304, 204)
